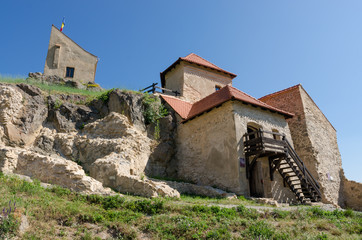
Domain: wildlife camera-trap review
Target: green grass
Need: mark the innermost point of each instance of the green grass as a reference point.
(51, 89)
(58, 213)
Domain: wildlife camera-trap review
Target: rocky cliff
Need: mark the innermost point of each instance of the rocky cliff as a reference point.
(90, 148)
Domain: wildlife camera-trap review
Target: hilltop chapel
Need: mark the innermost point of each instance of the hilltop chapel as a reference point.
(280, 146)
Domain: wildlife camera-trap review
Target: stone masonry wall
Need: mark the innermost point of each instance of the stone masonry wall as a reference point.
(206, 150)
(199, 83)
(314, 140)
(352, 192)
(174, 80)
(194, 83)
(268, 121)
(63, 53)
(325, 150)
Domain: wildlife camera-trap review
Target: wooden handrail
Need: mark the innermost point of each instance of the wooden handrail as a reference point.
(153, 89)
(262, 131)
(151, 86)
(259, 134)
(301, 165)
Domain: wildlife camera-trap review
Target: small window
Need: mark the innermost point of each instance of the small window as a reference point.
(217, 88)
(70, 72)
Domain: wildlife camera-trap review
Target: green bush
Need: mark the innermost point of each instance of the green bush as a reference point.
(280, 214)
(8, 227)
(153, 109)
(247, 213)
(348, 213)
(219, 233)
(146, 206)
(204, 209)
(8, 224)
(105, 95)
(316, 211)
(60, 191)
(113, 202)
(322, 236)
(261, 230)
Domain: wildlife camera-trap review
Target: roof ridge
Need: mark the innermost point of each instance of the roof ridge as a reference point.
(75, 42)
(194, 54)
(281, 91)
(261, 102)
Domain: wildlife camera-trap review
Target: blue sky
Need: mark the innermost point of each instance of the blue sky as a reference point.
(270, 45)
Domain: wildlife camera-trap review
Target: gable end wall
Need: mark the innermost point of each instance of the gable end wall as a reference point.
(314, 139)
(268, 121)
(69, 55)
(206, 150)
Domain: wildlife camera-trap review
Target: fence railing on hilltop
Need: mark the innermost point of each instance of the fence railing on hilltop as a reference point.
(152, 89)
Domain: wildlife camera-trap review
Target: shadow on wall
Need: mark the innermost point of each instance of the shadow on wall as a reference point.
(50, 59)
(161, 162)
(279, 193)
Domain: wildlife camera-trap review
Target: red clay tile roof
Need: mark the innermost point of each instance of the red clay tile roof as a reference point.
(181, 107)
(279, 92)
(188, 111)
(193, 58)
(267, 97)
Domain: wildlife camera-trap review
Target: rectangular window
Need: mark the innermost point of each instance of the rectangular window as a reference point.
(70, 72)
(217, 88)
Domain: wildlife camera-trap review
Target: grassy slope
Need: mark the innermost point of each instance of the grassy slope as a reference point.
(53, 88)
(60, 214)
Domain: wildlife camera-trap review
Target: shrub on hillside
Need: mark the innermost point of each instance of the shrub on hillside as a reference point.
(8, 223)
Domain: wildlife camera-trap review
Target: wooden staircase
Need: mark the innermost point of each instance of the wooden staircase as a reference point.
(282, 158)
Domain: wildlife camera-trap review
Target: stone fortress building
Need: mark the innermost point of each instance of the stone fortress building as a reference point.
(67, 60)
(280, 146)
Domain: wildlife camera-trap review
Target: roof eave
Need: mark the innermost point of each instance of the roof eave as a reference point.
(179, 60)
(286, 115)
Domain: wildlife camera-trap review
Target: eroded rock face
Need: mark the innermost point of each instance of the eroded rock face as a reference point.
(8, 159)
(10, 106)
(68, 117)
(115, 134)
(22, 112)
(129, 105)
(47, 140)
(115, 172)
(160, 163)
(53, 170)
(10, 103)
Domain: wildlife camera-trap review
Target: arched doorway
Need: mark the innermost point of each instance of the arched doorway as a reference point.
(256, 182)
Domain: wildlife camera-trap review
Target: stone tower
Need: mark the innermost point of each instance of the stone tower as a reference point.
(314, 139)
(66, 59)
(195, 78)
